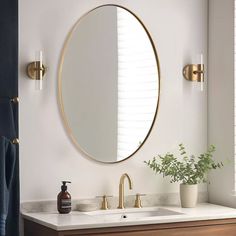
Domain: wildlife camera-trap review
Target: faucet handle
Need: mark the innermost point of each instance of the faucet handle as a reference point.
(138, 203)
(104, 205)
(102, 196)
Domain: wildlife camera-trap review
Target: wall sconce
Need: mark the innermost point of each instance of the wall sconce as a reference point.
(36, 70)
(195, 72)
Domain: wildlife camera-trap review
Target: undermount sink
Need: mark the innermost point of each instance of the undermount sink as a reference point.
(126, 214)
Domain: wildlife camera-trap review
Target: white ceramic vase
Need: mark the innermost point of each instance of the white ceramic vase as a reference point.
(188, 195)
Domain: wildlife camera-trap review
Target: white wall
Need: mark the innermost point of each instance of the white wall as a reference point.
(221, 98)
(179, 30)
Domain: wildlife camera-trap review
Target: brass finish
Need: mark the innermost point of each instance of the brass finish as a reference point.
(104, 205)
(60, 100)
(194, 72)
(138, 203)
(15, 100)
(35, 71)
(15, 141)
(121, 189)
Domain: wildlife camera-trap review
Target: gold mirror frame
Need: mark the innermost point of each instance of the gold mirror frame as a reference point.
(61, 105)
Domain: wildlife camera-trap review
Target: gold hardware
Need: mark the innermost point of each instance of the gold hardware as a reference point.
(138, 203)
(60, 97)
(15, 141)
(104, 205)
(35, 71)
(15, 100)
(194, 72)
(121, 189)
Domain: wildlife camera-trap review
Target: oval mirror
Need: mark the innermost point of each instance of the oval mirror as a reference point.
(109, 84)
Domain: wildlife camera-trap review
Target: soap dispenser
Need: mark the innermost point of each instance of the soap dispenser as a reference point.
(64, 199)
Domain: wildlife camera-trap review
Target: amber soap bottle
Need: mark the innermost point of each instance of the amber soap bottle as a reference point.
(64, 199)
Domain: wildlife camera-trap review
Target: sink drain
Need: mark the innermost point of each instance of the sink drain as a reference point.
(124, 217)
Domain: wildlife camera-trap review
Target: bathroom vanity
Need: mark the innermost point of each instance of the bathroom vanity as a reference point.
(205, 219)
(194, 228)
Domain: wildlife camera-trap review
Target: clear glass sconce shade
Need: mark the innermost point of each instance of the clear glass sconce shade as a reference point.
(36, 70)
(39, 71)
(201, 63)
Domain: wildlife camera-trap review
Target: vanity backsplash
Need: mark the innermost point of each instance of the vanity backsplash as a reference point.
(148, 200)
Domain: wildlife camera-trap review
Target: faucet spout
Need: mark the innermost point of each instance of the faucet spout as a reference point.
(121, 189)
(122, 180)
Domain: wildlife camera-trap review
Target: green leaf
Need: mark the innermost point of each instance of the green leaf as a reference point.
(187, 169)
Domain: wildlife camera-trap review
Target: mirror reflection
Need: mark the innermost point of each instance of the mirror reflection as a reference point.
(109, 84)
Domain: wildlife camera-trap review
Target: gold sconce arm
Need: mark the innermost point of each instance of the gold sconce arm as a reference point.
(35, 71)
(193, 72)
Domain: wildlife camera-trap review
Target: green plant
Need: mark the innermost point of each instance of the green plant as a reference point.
(187, 169)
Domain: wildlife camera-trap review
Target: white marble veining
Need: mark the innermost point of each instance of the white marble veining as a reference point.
(79, 220)
(148, 200)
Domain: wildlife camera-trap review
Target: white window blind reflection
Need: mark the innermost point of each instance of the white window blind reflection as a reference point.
(137, 84)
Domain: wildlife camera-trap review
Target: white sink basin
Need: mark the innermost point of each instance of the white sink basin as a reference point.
(132, 214)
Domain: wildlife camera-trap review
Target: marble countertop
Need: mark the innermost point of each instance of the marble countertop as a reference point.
(83, 220)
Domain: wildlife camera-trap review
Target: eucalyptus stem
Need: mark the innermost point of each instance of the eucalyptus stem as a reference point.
(186, 169)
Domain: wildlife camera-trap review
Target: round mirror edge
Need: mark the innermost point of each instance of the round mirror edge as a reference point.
(59, 89)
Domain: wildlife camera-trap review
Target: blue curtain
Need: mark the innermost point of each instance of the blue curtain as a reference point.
(7, 169)
(9, 163)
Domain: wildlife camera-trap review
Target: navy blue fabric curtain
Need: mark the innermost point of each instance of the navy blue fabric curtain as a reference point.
(9, 112)
(9, 48)
(7, 169)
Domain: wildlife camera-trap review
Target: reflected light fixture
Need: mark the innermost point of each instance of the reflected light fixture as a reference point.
(36, 70)
(195, 72)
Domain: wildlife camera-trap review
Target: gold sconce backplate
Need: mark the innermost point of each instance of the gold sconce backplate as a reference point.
(33, 70)
(194, 72)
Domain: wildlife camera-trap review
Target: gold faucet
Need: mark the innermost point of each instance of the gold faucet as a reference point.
(121, 189)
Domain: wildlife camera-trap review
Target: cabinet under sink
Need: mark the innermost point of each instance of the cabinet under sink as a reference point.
(194, 228)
